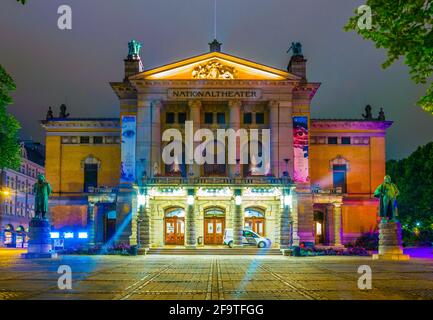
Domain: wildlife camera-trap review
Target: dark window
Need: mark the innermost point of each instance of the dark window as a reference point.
(221, 118)
(332, 140)
(97, 140)
(169, 117)
(90, 176)
(208, 117)
(181, 117)
(247, 118)
(345, 140)
(260, 118)
(339, 175)
(84, 140)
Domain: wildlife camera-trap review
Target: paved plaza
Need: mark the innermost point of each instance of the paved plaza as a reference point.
(212, 277)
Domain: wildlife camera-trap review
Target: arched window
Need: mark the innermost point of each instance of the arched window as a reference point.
(214, 212)
(175, 212)
(254, 213)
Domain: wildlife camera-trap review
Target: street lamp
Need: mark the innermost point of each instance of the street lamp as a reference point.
(190, 200)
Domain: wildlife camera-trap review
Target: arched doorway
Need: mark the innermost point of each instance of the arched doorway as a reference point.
(174, 226)
(8, 239)
(319, 227)
(20, 237)
(255, 220)
(214, 225)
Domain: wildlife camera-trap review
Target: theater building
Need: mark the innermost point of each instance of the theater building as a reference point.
(109, 178)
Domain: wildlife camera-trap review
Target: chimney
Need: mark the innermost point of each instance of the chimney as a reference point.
(297, 64)
(133, 63)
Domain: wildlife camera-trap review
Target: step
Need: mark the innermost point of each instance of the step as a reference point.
(237, 251)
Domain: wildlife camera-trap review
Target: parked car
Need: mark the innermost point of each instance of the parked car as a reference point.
(249, 238)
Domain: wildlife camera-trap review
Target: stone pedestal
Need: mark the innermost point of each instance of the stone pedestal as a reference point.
(390, 244)
(40, 240)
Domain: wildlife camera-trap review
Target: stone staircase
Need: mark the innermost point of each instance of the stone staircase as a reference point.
(216, 251)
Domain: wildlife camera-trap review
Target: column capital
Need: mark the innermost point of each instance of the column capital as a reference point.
(235, 103)
(156, 103)
(273, 103)
(194, 103)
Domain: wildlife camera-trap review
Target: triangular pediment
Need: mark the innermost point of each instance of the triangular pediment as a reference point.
(215, 65)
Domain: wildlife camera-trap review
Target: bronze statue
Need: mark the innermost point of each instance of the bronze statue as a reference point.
(387, 192)
(381, 115)
(63, 113)
(134, 49)
(367, 115)
(42, 191)
(50, 114)
(296, 47)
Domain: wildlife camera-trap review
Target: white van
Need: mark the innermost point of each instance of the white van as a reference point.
(249, 238)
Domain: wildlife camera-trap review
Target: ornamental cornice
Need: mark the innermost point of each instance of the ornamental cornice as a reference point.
(81, 124)
(212, 83)
(350, 124)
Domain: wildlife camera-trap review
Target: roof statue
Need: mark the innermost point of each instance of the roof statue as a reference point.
(296, 48)
(134, 49)
(367, 115)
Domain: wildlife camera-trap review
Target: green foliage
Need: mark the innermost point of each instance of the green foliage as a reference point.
(414, 176)
(404, 29)
(22, 1)
(9, 126)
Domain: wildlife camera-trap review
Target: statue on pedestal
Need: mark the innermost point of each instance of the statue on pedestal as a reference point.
(41, 190)
(387, 192)
(39, 227)
(134, 49)
(368, 115)
(390, 240)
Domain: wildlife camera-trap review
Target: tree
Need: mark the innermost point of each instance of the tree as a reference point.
(414, 176)
(9, 126)
(22, 1)
(404, 29)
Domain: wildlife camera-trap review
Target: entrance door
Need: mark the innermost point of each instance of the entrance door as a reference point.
(214, 230)
(319, 228)
(174, 230)
(255, 224)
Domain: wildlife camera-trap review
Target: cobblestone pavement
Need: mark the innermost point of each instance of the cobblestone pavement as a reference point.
(213, 277)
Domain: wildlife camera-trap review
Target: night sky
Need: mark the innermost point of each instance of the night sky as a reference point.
(51, 66)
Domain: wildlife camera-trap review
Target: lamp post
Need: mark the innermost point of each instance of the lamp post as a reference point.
(237, 219)
(285, 221)
(190, 220)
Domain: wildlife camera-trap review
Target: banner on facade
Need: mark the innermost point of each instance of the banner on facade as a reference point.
(127, 172)
(300, 145)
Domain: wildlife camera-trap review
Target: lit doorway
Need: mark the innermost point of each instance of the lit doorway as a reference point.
(255, 220)
(319, 227)
(214, 226)
(174, 226)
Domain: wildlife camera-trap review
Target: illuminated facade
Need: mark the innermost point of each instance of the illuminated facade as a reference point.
(16, 196)
(108, 175)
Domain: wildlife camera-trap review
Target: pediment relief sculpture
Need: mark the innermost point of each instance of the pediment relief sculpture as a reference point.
(214, 69)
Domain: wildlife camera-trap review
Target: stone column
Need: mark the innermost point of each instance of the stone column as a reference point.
(329, 224)
(91, 223)
(237, 219)
(156, 135)
(294, 219)
(195, 110)
(337, 224)
(144, 228)
(273, 124)
(144, 165)
(235, 124)
(191, 239)
(284, 222)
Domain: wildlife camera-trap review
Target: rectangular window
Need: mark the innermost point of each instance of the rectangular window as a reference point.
(247, 118)
(181, 117)
(345, 140)
(97, 140)
(90, 176)
(339, 177)
(169, 117)
(332, 140)
(208, 118)
(260, 118)
(221, 118)
(84, 140)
